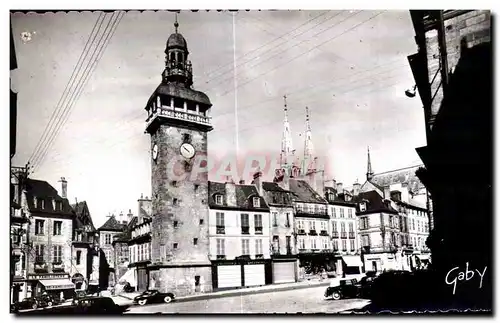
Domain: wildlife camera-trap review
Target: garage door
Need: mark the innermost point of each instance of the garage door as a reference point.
(284, 272)
(229, 276)
(255, 275)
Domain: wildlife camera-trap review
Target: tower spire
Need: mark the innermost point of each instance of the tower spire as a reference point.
(176, 24)
(286, 140)
(308, 147)
(369, 170)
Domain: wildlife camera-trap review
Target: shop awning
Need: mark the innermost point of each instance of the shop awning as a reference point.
(352, 261)
(128, 277)
(56, 284)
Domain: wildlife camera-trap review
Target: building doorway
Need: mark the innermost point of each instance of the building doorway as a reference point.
(374, 265)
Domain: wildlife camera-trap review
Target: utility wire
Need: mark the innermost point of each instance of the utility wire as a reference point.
(302, 54)
(280, 52)
(268, 43)
(77, 94)
(71, 80)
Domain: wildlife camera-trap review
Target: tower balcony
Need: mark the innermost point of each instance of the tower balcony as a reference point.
(176, 117)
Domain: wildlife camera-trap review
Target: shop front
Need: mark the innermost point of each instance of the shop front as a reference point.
(352, 266)
(57, 285)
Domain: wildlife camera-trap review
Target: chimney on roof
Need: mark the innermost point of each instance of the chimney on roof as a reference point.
(340, 189)
(355, 188)
(64, 188)
(257, 181)
(231, 194)
(122, 218)
(387, 192)
(129, 216)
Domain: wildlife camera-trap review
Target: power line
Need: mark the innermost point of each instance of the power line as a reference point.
(280, 52)
(71, 80)
(78, 92)
(300, 55)
(268, 43)
(69, 97)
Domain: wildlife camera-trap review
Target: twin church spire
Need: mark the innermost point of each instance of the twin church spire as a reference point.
(288, 159)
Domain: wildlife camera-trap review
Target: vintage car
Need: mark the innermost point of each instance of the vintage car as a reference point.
(342, 288)
(153, 296)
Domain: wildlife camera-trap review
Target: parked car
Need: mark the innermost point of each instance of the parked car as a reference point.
(153, 296)
(48, 300)
(365, 285)
(30, 303)
(97, 305)
(342, 288)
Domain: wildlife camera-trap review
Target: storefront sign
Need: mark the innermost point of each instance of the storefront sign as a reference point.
(47, 276)
(58, 287)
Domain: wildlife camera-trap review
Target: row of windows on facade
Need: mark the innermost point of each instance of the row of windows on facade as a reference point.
(255, 200)
(56, 254)
(406, 210)
(40, 204)
(403, 240)
(245, 223)
(245, 247)
(40, 227)
(140, 252)
(422, 226)
(324, 243)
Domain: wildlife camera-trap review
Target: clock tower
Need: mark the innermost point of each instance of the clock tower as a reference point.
(178, 124)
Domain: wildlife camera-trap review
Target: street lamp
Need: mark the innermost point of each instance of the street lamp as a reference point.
(411, 92)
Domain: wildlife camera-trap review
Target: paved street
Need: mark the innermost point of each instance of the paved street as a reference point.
(308, 300)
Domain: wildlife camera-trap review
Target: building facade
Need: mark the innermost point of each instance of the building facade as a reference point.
(19, 222)
(112, 228)
(50, 235)
(82, 246)
(453, 72)
(344, 229)
(281, 225)
(239, 236)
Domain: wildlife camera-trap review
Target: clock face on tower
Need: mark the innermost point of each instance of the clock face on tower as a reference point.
(155, 152)
(187, 150)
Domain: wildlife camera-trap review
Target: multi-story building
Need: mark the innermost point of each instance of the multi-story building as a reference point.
(18, 234)
(139, 246)
(239, 237)
(83, 245)
(312, 228)
(453, 72)
(50, 236)
(379, 232)
(344, 228)
(121, 255)
(283, 248)
(106, 233)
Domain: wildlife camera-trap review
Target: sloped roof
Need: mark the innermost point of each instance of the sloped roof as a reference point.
(303, 192)
(337, 198)
(127, 234)
(399, 176)
(370, 186)
(375, 203)
(112, 225)
(43, 190)
(276, 195)
(243, 195)
(83, 215)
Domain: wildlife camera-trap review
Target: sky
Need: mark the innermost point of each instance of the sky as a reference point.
(349, 67)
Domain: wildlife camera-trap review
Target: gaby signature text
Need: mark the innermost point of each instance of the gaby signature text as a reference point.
(455, 275)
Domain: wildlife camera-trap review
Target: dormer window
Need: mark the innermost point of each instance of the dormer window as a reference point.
(256, 201)
(331, 196)
(41, 204)
(362, 206)
(218, 199)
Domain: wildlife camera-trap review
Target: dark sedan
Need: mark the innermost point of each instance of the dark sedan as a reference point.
(32, 303)
(153, 296)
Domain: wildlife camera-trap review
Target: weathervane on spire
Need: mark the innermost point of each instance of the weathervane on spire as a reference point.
(284, 98)
(176, 24)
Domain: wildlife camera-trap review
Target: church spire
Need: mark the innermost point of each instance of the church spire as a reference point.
(369, 170)
(308, 147)
(286, 141)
